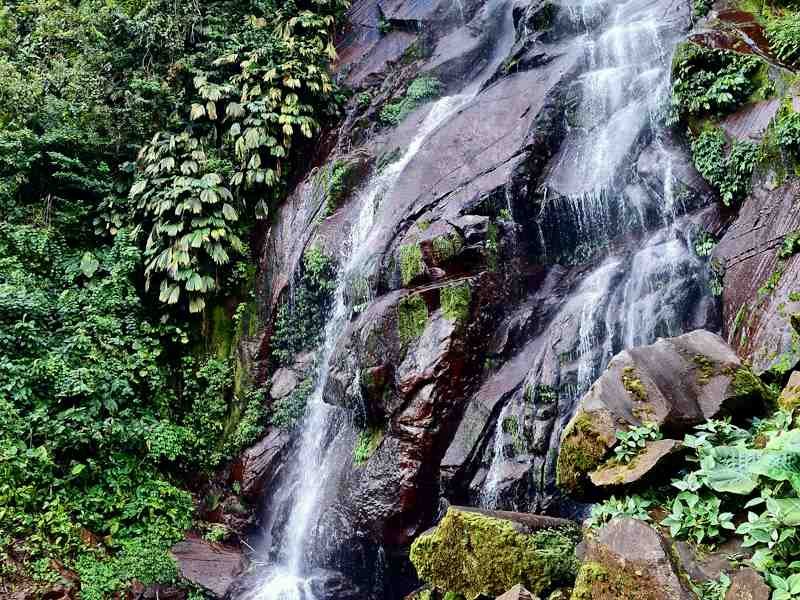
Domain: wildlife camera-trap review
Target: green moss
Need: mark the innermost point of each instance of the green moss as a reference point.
(581, 451)
(366, 444)
(446, 247)
(411, 263)
(343, 175)
(633, 384)
(419, 91)
(455, 300)
(608, 580)
(412, 316)
(492, 246)
(387, 158)
(511, 426)
(745, 384)
(470, 553)
(704, 367)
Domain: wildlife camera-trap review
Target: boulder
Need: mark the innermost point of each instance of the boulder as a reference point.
(259, 462)
(213, 567)
(283, 383)
(518, 592)
(628, 559)
(700, 564)
(747, 584)
(474, 552)
(790, 396)
(654, 454)
(676, 383)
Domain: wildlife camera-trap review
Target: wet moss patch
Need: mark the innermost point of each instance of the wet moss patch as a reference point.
(446, 247)
(634, 385)
(582, 451)
(471, 553)
(412, 316)
(455, 300)
(411, 263)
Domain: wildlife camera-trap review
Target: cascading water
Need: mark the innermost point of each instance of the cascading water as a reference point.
(316, 467)
(630, 298)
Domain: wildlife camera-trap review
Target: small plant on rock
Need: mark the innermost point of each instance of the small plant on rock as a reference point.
(635, 507)
(633, 441)
(787, 133)
(713, 589)
(730, 171)
(783, 34)
(698, 516)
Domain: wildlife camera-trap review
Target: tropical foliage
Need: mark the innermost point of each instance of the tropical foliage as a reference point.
(139, 139)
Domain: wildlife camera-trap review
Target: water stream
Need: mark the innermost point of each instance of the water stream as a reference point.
(631, 297)
(315, 467)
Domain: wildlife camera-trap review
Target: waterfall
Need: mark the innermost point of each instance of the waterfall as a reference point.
(316, 466)
(634, 296)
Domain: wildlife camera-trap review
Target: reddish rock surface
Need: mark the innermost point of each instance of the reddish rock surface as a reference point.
(757, 323)
(213, 567)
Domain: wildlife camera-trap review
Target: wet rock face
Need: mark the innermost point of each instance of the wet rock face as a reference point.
(676, 383)
(747, 584)
(485, 305)
(628, 559)
(757, 306)
(258, 464)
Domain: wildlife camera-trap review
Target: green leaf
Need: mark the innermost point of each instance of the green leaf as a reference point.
(197, 111)
(787, 510)
(229, 212)
(729, 469)
(89, 264)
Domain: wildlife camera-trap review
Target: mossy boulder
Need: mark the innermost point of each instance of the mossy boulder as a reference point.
(629, 560)
(475, 553)
(676, 383)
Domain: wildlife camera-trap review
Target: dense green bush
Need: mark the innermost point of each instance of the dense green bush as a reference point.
(300, 322)
(783, 34)
(109, 402)
(729, 171)
(710, 82)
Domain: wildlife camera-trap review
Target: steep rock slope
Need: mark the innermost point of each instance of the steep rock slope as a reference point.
(496, 248)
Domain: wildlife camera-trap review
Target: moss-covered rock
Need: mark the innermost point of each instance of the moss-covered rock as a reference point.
(471, 553)
(412, 316)
(455, 300)
(790, 396)
(583, 448)
(629, 560)
(675, 383)
(411, 263)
